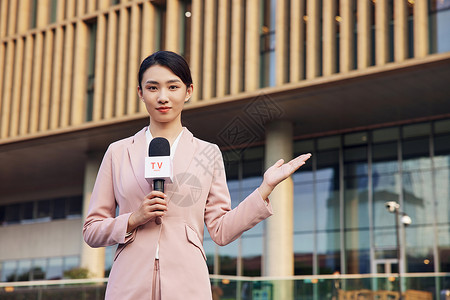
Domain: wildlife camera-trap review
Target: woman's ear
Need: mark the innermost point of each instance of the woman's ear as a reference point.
(139, 91)
(189, 92)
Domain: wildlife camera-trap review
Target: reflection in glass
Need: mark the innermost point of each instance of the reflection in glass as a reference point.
(303, 253)
(55, 268)
(251, 255)
(328, 252)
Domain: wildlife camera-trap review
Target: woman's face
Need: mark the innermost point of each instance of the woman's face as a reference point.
(164, 95)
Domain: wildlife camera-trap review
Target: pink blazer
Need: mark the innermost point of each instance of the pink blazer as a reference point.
(199, 195)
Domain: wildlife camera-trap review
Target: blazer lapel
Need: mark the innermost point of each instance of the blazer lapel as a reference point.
(181, 160)
(137, 153)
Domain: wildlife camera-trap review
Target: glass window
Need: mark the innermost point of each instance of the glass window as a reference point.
(39, 269)
(355, 161)
(54, 268)
(9, 271)
(109, 258)
(439, 23)
(357, 138)
(419, 248)
(327, 165)
(416, 154)
(2, 215)
(24, 270)
(442, 179)
(444, 247)
(228, 258)
(357, 251)
(27, 211)
(442, 126)
(59, 209)
(385, 188)
(303, 253)
(13, 214)
(416, 130)
(328, 252)
(418, 197)
(251, 255)
(385, 135)
(384, 158)
(43, 210)
(327, 206)
(74, 206)
(71, 262)
(303, 207)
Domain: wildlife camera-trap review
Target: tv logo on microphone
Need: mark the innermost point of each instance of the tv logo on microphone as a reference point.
(158, 167)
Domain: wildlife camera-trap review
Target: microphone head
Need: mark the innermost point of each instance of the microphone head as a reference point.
(159, 146)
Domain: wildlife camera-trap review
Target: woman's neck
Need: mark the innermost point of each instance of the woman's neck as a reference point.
(169, 132)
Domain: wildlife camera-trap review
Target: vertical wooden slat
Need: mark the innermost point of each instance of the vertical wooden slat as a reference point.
(67, 76)
(223, 56)
(36, 86)
(252, 56)
(12, 17)
(147, 34)
(99, 67)
(46, 81)
(173, 25)
(421, 40)
(400, 31)
(111, 60)
(312, 37)
(24, 16)
(91, 6)
(133, 61)
(70, 8)
(297, 40)
(26, 85)
(122, 59)
(61, 9)
(81, 8)
(7, 88)
(55, 106)
(381, 32)
(346, 36)
(237, 47)
(2, 74)
(3, 18)
(79, 91)
(18, 65)
(329, 37)
(103, 4)
(196, 47)
(43, 10)
(281, 40)
(209, 50)
(364, 34)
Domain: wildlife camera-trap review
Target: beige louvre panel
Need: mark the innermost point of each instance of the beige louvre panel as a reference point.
(173, 25)
(79, 74)
(281, 40)
(196, 47)
(346, 36)
(12, 17)
(400, 31)
(133, 60)
(122, 62)
(66, 91)
(46, 81)
(37, 82)
(3, 18)
(364, 35)
(111, 61)
(55, 99)
(421, 28)
(237, 46)
(297, 40)
(209, 52)
(23, 15)
(43, 11)
(26, 85)
(381, 32)
(329, 37)
(312, 37)
(252, 45)
(100, 58)
(7, 88)
(223, 43)
(16, 92)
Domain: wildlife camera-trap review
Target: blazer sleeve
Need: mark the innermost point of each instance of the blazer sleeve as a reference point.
(101, 227)
(224, 224)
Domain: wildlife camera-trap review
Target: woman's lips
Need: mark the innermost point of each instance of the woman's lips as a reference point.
(163, 109)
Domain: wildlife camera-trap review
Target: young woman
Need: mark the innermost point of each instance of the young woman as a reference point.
(160, 235)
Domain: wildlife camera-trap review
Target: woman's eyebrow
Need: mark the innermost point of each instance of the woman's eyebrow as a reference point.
(156, 82)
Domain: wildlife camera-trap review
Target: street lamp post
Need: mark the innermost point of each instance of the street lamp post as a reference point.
(394, 207)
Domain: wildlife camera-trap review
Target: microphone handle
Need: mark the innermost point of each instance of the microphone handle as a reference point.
(158, 185)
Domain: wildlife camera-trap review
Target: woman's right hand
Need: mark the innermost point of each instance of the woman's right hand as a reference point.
(153, 206)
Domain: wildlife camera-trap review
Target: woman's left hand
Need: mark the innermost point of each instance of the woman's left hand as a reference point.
(279, 172)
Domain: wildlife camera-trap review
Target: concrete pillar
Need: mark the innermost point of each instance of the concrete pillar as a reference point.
(278, 248)
(92, 259)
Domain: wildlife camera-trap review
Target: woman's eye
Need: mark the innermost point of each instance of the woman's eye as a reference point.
(152, 88)
(173, 87)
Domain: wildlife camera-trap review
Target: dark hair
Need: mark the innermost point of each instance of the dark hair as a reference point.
(175, 62)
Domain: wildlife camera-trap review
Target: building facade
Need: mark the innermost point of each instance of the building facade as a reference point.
(362, 85)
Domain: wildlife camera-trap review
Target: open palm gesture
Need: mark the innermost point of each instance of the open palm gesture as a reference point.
(279, 172)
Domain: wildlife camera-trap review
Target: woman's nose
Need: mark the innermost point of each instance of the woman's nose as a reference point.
(162, 98)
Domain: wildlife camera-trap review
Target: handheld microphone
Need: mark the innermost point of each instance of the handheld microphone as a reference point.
(158, 165)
